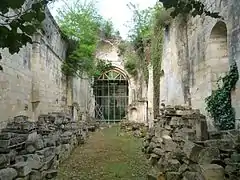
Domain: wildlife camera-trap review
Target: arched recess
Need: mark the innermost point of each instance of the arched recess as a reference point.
(111, 95)
(217, 52)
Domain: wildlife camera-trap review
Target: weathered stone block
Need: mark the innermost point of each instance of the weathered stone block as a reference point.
(4, 160)
(172, 165)
(48, 151)
(154, 159)
(173, 176)
(22, 168)
(8, 174)
(30, 148)
(5, 143)
(168, 144)
(192, 151)
(192, 176)
(38, 143)
(208, 154)
(201, 130)
(212, 172)
(51, 174)
(158, 151)
(34, 161)
(35, 175)
(235, 157)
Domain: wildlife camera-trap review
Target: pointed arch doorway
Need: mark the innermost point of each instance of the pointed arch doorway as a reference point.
(111, 96)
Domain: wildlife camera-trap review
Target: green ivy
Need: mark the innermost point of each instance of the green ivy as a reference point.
(219, 103)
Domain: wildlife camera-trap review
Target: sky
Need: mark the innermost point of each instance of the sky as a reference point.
(116, 10)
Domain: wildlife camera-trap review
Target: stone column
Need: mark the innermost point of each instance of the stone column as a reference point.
(35, 74)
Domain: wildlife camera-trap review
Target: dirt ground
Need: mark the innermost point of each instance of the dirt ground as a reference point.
(108, 154)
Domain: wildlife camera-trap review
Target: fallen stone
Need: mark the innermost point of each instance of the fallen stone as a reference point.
(168, 144)
(8, 174)
(35, 175)
(208, 154)
(158, 151)
(235, 157)
(173, 176)
(188, 175)
(38, 143)
(51, 174)
(22, 168)
(154, 174)
(172, 165)
(30, 149)
(192, 151)
(23, 178)
(212, 172)
(154, 159)
(4, 160)
(34, 161)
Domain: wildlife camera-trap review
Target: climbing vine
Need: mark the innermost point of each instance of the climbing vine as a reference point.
(134, 51)
(219, 103)
(161, 18)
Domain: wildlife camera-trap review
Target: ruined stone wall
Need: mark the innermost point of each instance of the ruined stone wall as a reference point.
(179, 147)
(200, 51)
(34, 150)
(31, 81)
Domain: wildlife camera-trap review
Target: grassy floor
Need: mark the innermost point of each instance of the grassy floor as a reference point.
(107, 155)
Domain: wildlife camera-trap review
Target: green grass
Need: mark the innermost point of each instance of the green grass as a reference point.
(108, 155)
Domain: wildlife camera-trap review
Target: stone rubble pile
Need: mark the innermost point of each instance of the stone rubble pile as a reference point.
(136, 129)
(33, 150)
(179, 147)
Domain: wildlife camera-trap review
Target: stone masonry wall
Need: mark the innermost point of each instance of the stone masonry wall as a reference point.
(33, 150)
(197, 51)
(179, 147)
(31, 80)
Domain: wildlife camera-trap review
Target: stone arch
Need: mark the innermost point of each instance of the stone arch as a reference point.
(217, 52)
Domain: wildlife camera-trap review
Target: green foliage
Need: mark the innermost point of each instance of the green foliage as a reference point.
(20, 20)
(193, 7)
(100, 67)
(84, 26)
(219, 103)
(160, 19)
(130, 65)
(134, 51)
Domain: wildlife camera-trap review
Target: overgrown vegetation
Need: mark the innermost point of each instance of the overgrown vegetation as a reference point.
(193, 7)
(20, 19)
(134, 50)
(219, 103)
(85, 28)
(161, 19)
(109, 155)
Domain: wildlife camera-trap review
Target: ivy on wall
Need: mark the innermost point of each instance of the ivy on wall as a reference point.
(219, 103)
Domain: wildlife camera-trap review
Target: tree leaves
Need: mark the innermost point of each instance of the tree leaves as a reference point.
(192, 7)
(85, 27)
(17, 29)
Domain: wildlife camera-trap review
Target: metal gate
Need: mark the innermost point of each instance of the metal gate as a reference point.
(111, 96)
